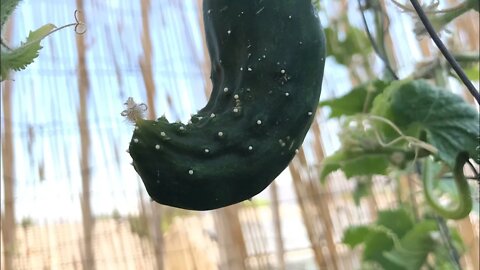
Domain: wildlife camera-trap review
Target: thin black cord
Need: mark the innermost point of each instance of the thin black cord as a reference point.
(431, 31)
(447, 238)
(374, 44)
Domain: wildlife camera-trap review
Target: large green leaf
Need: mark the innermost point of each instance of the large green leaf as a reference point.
(355, 101)
(397, 220)
(355, 164)
(396, 242)
(379, 239)
(376, 243)
(355, 235)
(19, 58)
(414, 247)
(450, 123)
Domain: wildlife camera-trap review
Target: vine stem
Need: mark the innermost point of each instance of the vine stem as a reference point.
(431, 31)
(374, 44)
(412, 140)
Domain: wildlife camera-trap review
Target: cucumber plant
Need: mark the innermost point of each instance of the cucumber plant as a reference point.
(267, 66)
(18, 58)
(407, 130)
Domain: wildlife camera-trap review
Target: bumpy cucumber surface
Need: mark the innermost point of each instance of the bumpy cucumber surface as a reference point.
(267, 66)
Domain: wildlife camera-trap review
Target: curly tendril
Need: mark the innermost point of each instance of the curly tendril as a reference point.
(78, 25)
(134, 111)
(464, 204)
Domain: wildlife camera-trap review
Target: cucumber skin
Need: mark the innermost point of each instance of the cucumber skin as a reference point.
(270, 55)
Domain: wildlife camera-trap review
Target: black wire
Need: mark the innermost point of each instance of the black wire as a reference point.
(447, 238)
(374, 44)
(431, 31)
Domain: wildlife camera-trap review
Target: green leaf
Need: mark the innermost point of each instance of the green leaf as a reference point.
(393, 223)
(397, 220)
(355, 235)
(362, 188)
(331, 164)
(6, 8)
(394, 241)
(367, 164)
(376, 243)
(355, 101)
(473, 73)
(355, 42)
(375, 240)
(19, 58)
(414, 247)
(355, 164)
(316, 4)
(416, 107)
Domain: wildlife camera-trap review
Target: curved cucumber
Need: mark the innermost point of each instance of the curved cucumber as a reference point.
(464, 204)
(267, 66)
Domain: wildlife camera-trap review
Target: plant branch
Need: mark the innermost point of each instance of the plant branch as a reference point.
(374, 44)
(467, 57)
(5, 44)
(431, 31)
(447, 10)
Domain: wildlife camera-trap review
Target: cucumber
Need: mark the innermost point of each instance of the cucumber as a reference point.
(267, 61)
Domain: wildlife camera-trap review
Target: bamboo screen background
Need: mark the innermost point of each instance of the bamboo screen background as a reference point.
(70, 199)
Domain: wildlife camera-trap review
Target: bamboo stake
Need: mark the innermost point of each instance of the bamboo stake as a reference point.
(389, 48)
(231, 243)
(277, 225)
(302, 199)
(147, 73)
(325, 199)
(146, 60)
(257, 239)
(206, 65)
(82, 117)
(319, 198)
(143, 213)
(470, 238)
(8, 160)
(230, 238)
(468, 24)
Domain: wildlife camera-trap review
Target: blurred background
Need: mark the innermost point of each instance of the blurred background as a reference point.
(71, 199)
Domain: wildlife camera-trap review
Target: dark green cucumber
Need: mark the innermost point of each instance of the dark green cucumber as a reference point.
(267, 66)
